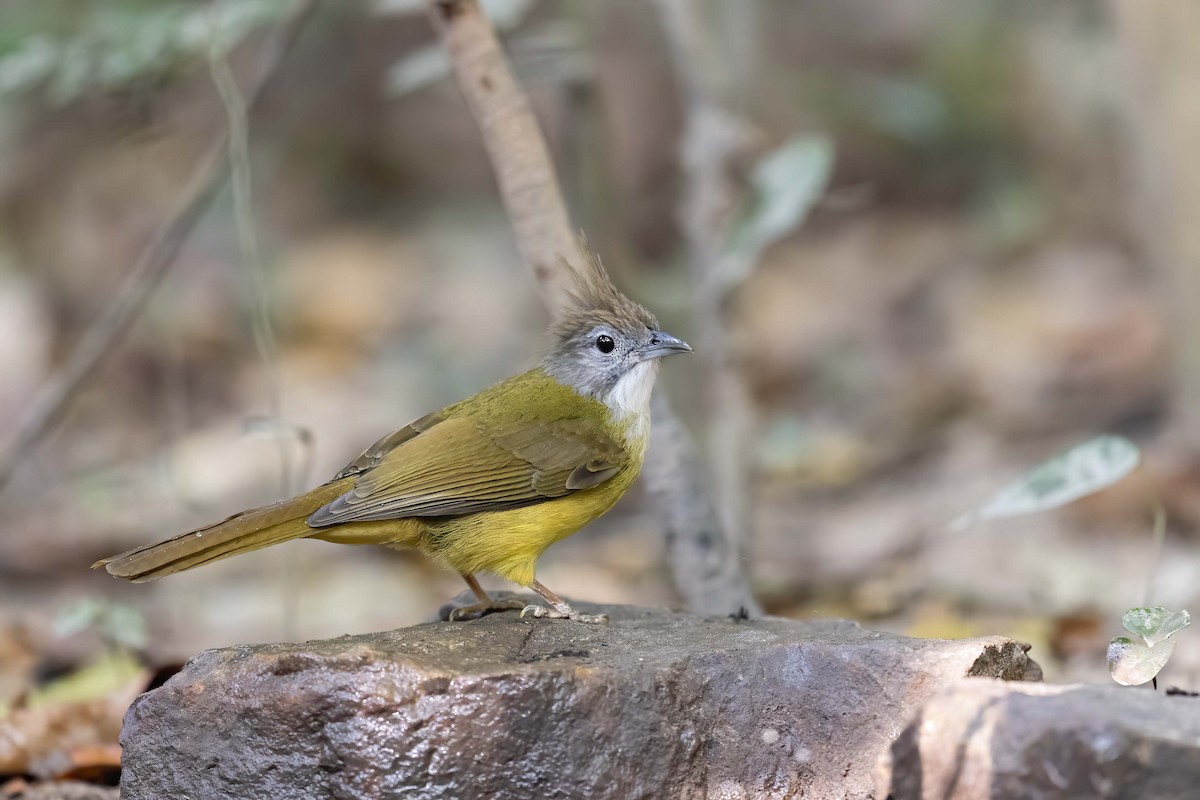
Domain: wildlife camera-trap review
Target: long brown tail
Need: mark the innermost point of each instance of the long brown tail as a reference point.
(241, 533)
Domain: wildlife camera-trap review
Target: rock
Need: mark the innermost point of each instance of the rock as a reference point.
(988, 740)
(656, 705)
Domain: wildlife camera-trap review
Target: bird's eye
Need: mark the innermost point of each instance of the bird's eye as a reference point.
(605, 344)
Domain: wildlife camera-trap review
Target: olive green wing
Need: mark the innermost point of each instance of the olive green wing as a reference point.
(376, 452)
(458, 466)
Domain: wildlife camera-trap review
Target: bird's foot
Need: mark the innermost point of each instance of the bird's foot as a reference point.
(476, 610)
(563, 611)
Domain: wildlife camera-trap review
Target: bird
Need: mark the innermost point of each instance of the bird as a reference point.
(487, 484)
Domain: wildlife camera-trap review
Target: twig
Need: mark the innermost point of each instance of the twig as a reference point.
(255, 270)
(714, 136)
(55, 396)
(706, 570)
(528, 184)
(705, 562)
(1156, 548)
(260, 297)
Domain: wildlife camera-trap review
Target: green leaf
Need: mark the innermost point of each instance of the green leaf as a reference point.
(426, 66)
(1082, 470)
(1133, 663)
(30, 64)
(101, 678)
(406, 7)
(785, 185)
(78, 617)
(910, 110)
(422, 67)
(1155, 624)
(506, 14)
(503, 13)
(125, 627)
(116, 624)
(119, 45)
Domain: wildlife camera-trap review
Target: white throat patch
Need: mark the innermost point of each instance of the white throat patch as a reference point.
(631, 395)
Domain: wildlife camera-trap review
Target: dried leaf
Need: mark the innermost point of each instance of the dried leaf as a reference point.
(64, 725)
(51, 741)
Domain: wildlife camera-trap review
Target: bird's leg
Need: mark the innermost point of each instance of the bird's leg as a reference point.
(486, 605)
(559, 608)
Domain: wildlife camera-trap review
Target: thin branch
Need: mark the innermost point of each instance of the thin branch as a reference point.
(714, 137)
(254, 269)
(255, 272)
(55, 396)
(1156, 550)
(704, 561)
(528, 184)
(706, 569)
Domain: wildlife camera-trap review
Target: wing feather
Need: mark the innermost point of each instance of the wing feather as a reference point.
(375, 453)
(448, 467)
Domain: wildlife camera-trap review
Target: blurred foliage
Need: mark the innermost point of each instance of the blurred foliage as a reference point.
(953, 296)
(939, 280)
(98, 679)
(118, 626)
(547, 52)
(108, 46)
(1083, 470)
(785, 184)
(953, 114)
(429, 64)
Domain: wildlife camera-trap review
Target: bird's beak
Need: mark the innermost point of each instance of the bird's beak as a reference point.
(662, 344)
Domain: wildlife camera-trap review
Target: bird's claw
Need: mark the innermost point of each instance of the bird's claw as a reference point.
(534, 610)
(566, 612)
(476, 610)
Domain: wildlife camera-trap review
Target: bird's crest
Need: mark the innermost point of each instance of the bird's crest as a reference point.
(595, 300)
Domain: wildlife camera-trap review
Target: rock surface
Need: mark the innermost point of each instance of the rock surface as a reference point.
(655, 705)
(988, 740)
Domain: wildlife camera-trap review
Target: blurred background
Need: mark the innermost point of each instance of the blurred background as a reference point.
(982, 255)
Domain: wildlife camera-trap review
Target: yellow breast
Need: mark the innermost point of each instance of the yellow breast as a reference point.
(508, 543)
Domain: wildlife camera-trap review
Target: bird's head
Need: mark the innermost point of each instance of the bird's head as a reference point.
(606, 346)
